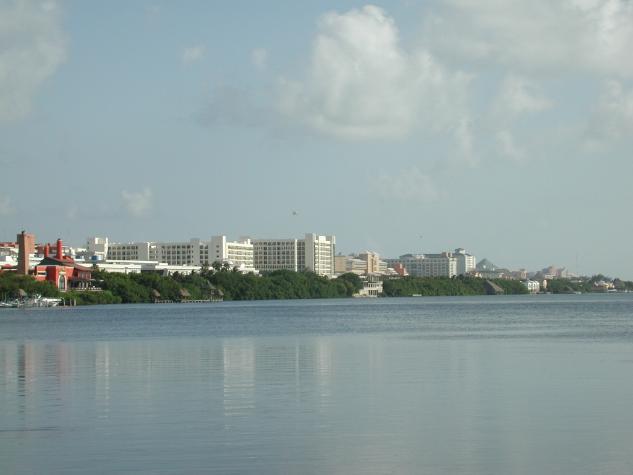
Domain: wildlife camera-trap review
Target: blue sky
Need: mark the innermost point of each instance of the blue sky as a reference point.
(501, 126)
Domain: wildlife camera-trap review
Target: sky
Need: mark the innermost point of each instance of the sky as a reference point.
(501, 126)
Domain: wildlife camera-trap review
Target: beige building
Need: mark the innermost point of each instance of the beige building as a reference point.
(364, 263)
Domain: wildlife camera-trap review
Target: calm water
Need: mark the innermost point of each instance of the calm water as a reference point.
(503, 385)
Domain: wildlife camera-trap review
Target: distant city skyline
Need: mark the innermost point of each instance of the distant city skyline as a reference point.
(398, 126)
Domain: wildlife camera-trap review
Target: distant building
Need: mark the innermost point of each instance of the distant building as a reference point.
(444, 264)
(552, 272)
(62, 270)
(132, 251)
(372, 286)
(97, 247)
(367, 262)
(400, 269)
(372, 260)
(9, 252)
(465, 262)
(237, 253)
(487, 270)
(314, 253)
(533, 286)
(136, 267)
(427, 265)
(345, 264)
(26, 247)
(276, 254)
(194, 252)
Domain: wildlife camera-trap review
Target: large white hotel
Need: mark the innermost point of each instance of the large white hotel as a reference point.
(314, 253)
(444, 264)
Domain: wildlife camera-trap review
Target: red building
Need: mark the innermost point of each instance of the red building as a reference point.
(62, 270)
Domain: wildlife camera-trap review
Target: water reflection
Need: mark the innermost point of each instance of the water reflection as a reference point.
(238, 376)
(314, 403)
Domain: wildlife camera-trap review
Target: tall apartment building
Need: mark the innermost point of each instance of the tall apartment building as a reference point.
(313, 253)
(319, 254)
(465, 262)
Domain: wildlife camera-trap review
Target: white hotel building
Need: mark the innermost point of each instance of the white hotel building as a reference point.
(313, 253)
(445, 264)
(195, 252)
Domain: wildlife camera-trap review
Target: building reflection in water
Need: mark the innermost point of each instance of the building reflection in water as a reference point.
(102, 378)
(239, 376)
(324, 360)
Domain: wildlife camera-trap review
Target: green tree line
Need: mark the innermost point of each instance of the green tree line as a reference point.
(435, 286)
(227, 284)
(222, 282)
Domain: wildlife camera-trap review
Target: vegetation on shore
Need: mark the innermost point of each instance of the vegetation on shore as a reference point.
(220, 282)
(436, 286)
(567, 286)
(226, 284)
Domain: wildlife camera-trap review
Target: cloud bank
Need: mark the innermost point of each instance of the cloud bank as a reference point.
(362, 84)
(32, 47)
(193, 54)
(137, 203)
(592, 36)
(6, 208)
(411, 185)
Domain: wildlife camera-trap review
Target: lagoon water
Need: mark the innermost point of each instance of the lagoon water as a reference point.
(486, 385)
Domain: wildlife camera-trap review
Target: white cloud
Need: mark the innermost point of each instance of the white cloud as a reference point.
(362, 84)
(137, 203)
(33, 48)
(6, 208)
(463, 135)
(193, 54)
(588, 35)
(72, 212)
(153, 11)
(613, 118)
(508, 147)
(259, 58)
(519, 95)
(410, 185)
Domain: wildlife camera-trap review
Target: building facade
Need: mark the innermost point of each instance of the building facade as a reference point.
(131, 251)
(314, 253)
(97, 247)
(194, 252)
(367, 262)
(237, 253)
(276, 254)
(444, 264)
(319, 254)
(26, 248)
(466, 263)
